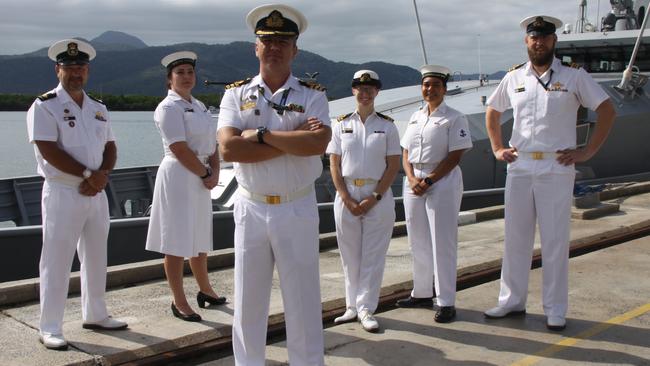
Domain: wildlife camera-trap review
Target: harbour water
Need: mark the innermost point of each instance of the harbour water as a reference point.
(138, 142)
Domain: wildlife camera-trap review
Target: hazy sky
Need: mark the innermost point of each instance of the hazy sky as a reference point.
(340, 30)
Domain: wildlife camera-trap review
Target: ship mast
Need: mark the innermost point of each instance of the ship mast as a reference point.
(417, 19)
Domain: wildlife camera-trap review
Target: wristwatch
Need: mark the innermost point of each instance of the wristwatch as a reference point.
(87, 173)
(377, 196)
(260, 134)
(428, 181)
(208, 172)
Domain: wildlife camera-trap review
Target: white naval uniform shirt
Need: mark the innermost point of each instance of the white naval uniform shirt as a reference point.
(243, 108)
(430, 138)
(80, 132)
(179, 120)
(544, 120)
(363, 147)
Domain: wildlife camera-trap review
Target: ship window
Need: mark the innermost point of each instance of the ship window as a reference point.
(606, 58)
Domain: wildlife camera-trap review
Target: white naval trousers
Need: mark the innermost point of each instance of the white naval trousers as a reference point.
(285, 234)
(547, 199)
(363, 242)
(432, 225)
(72, 221)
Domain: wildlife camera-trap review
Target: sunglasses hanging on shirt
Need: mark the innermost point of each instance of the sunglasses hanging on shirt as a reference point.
(279, 108)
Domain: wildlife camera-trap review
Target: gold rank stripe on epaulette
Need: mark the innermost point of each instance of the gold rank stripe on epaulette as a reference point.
(46, 96)
(342, 117)
(516, 67)
(312, 85)
(239, 83)
(96, 99)
(385, 117)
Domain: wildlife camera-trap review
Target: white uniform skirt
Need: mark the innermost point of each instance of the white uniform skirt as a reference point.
(181, 214)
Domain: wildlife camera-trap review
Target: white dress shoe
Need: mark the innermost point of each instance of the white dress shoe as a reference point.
(502, 312)
(349, 315)
(107, 324)
(368, 322)
(53, 341)
(555, 323)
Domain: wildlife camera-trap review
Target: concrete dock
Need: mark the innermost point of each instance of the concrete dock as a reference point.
(608, 320)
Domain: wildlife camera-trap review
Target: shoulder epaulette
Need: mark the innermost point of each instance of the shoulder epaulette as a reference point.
(342, 117)
(312, 85)
(239, 83)
(571, 64)
(46, 96)
(516, 67)
(385, 117)
(96, 99)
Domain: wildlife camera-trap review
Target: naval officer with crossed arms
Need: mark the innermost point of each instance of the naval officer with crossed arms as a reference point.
(274, 128)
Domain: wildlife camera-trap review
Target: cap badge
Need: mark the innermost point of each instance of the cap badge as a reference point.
(365, 77)
(539, 22)
(275, 20)
(73, 49)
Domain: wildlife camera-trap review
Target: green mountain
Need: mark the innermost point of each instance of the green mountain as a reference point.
(125, 65)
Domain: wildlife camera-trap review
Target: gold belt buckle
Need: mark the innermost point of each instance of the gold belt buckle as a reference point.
(537, 155)
(273, 200)
(359, 182)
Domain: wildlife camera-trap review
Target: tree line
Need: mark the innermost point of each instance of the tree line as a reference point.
(22, 102)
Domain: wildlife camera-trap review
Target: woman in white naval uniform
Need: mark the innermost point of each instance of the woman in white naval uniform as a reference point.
(433, 143)
(181, 216)
(364, 159)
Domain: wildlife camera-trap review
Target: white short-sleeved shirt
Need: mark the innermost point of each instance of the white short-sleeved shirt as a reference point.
(80, 132)
(179, 120)
(429, 138)
(244, 107)
(363, 147)
(546, 120)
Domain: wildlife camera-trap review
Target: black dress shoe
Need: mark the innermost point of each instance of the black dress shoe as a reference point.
(187, 317)
(202, 298)
(415, 302)
(445, 314)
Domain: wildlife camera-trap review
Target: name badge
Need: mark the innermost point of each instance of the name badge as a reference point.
(189, 110)
(380, 131)
(520, 89)
(347, 130)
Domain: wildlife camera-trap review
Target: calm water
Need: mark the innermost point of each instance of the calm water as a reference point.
(138, 142)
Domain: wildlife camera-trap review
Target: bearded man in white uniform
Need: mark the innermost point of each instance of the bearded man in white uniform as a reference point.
(274, 127)
(545, 95)
(75, 151)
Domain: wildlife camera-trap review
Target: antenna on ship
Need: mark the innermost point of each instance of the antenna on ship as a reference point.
(417, 19)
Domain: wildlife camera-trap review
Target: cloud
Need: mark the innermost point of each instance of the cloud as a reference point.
(340, 30)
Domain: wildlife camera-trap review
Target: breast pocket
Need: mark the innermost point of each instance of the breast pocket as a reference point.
(376, 143)
(71, 132)
(347, 141)
(557, 102)
(101, 130)
(196, 125)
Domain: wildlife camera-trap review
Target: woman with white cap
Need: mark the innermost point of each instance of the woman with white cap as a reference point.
(181, 216)
(433, 143)
(364, 159)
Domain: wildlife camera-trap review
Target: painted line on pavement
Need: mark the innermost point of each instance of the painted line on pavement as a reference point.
(596, 329)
